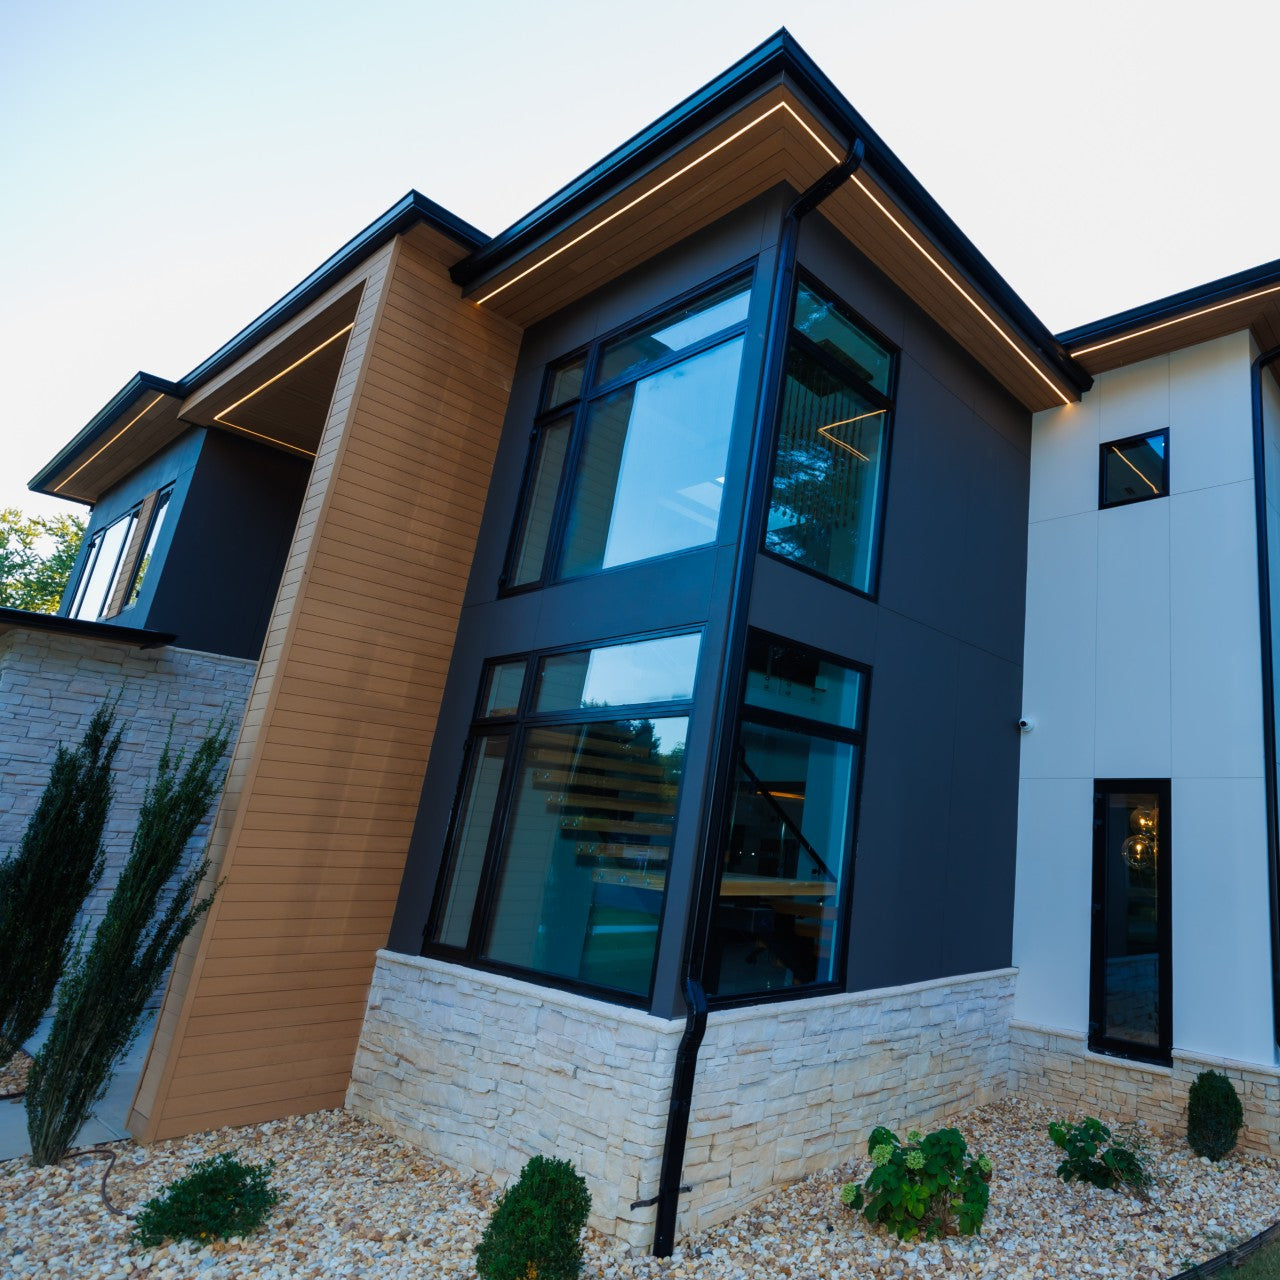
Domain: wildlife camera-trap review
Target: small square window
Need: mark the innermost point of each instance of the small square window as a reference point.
(1134, 469)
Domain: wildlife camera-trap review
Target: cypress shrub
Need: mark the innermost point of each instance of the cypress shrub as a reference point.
(536, 1224)
(1214, 1115)
(44, 883)
(105, 989)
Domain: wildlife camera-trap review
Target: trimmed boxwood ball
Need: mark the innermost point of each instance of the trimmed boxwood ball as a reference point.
(1214, 1115)
(536, 1224)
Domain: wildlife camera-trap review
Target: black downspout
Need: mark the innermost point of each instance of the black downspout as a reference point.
(1268, 679)
(767, 409)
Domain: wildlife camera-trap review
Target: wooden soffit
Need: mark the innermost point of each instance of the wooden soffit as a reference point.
(773, 138)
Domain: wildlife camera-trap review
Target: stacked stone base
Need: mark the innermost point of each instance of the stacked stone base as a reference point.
(485, 1071)
(1055, 1067)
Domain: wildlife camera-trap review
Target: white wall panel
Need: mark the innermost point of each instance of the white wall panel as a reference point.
(1210, 415)
(1132, 400)
(1061, 640)
(1051, 911)
(1132, 694)
(1064, 479)
(1221, 929)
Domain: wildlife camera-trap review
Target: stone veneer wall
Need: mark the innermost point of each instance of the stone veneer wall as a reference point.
(1055, 1067)
(485, 1071)
(50, 685)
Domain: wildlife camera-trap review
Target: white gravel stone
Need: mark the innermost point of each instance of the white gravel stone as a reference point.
(362, 1203)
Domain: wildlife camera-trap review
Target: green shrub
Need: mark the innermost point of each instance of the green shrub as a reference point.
(1096, 1156)
(219, 1198)
(535, 1226)
(916, 1189)
(1214, 1115)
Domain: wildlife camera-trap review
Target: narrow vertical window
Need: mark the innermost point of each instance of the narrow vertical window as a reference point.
(827, 488)
(784, 869)
(1130, 987)
(102, 567)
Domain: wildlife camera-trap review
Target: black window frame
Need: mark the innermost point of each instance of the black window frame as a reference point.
(515, 728)
(1112, 1046)
(1140, 438)
(96, 539)
(745, 713)
(576, 410)
(863, 388)
(159, 512)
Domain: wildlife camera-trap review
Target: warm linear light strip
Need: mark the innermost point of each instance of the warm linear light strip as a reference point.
(59, 488)
(844, 422)
(784, 106)
(1135, 471)
(217, 417)
(284, 444)
(644, 195)
(1164, 324)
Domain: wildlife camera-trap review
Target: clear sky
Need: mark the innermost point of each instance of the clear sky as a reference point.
(168, 170)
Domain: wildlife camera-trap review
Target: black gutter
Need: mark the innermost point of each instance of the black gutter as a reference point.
(768, 408)
(1203, 295)
(404, 214)
(137, 636)
(1268, 679)
(779, 56)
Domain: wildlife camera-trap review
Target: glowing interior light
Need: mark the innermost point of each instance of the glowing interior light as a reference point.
(829, 432)
(1164, 324)
(59, 488)
(1135, 470)
(221, 416)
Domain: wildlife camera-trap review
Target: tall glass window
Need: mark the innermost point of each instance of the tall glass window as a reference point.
(557, 861)
(827, 486)
(784, 868)
(631, 444)
(103, 565)
(1130, 984)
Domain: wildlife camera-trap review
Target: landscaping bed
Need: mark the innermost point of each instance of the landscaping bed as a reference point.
(359, 1202)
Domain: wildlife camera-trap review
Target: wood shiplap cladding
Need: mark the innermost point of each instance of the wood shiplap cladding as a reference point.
(264, 1011)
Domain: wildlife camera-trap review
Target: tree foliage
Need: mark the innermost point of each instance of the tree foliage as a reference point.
(105, 989)
(44, 883)
(37, 554)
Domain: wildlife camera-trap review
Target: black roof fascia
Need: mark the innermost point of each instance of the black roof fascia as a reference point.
(128, 395)
(1204, 295)
(405, 213)
(781, 54)
(138, 636)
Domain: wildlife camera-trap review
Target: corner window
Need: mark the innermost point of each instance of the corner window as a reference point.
(827, 489)
(1129, 990)
(631, 444)
(556, 863)
(1134, 469)
(104, 563)
(155, 524)
(784, 872)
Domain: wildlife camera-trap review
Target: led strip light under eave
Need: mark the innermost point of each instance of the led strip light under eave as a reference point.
(221, 416)
(59, 488)
(854, 178)
(1165, 324)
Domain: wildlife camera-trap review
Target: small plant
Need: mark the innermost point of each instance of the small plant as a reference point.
(1096, 1156)
(535, 1228)
(219, 1198)
(1214, 1115)
(919, 1188)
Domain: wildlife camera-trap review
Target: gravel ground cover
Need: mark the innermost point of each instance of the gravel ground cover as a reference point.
(364, 1204)
(13, 1076)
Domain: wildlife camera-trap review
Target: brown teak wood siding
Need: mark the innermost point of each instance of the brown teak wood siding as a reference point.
(324, 784)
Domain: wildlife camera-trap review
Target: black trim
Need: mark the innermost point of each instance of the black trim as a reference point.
(406, 213)
(1140, 438)
(1161, 1053)
(778, 57)
(1169, 308)
(137, 636)
(1267, 647)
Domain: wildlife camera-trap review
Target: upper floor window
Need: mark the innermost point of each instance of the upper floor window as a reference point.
(103, 569)
(1134, 469)
(827, 488)
(148, 547)
(557, 858)
(631, 444)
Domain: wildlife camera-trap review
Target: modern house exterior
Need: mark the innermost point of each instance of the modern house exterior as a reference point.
(719, 584)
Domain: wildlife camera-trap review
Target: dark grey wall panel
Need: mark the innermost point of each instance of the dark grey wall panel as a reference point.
(228, 542)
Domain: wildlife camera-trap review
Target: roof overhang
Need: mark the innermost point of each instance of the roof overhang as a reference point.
(772, 118)
(1247, 300)
(146, 414)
